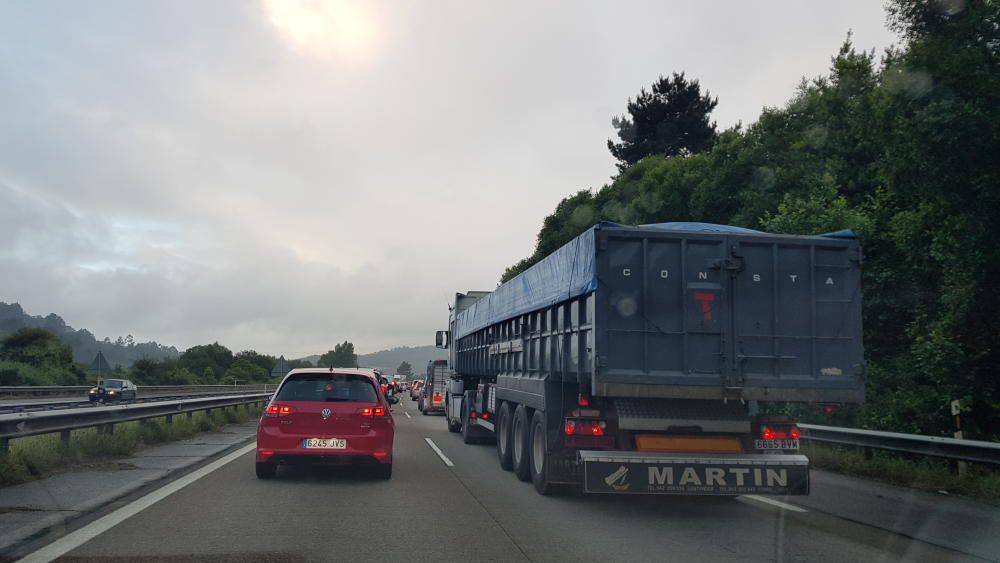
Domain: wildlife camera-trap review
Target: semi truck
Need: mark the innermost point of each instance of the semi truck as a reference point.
(659, 359)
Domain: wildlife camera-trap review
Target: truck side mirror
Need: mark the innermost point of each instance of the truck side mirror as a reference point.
(442, 338)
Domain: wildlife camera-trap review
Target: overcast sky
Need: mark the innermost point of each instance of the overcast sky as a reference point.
(284, 175)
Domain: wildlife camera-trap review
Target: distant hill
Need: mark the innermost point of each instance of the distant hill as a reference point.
(120, 352)
(389, 360)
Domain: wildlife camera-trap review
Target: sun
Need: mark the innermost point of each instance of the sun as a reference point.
(331, 29)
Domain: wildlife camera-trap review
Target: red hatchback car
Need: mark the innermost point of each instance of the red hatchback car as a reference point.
(333, 416)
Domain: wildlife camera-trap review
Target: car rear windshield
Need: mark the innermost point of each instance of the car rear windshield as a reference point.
(328, 387)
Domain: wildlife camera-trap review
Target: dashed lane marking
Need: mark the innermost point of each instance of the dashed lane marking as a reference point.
(772, 502)
(438, 451)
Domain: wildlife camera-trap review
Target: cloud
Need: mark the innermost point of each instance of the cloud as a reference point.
(286, 175)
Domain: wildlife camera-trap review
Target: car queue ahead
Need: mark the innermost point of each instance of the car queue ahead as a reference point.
(333, 416)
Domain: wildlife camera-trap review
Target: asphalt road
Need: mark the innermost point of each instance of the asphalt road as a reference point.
(473, 511)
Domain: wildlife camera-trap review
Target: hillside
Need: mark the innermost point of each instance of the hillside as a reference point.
(121, 352)
(389, 360)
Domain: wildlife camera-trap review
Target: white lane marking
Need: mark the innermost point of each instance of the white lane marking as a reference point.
(438, 451)
(407, 414)
(772, 502)
(69, 542)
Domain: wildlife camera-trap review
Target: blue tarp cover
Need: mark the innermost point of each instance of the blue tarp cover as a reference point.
(568, 272)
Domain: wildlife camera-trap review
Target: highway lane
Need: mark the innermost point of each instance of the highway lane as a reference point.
(471, 511)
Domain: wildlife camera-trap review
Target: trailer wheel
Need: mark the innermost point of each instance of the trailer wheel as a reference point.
(519, 440)
(466, 427)
(538, 451)
(503, 437)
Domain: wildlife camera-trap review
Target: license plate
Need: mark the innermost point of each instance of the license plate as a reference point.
(324, 443)
(776, 444)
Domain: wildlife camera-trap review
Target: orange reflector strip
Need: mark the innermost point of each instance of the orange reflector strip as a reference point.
(696, 444)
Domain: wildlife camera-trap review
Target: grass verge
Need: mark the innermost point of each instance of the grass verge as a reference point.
(38, 456)
(981, 482)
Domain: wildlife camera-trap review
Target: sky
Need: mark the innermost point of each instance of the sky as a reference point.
(282, 175)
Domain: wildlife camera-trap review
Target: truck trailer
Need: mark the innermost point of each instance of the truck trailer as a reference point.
(655, 359)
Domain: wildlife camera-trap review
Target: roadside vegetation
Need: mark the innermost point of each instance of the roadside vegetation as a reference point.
(38, 456)
(902, 147)
(980, 482)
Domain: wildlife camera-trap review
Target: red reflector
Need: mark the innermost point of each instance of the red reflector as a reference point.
(265, 452)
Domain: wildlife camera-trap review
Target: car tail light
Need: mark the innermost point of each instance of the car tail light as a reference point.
(577, 427)
(767, 433)
(372, 411)
(473, 414)
(486, 416)
(279, 410)
(583, 401)
(794, 433)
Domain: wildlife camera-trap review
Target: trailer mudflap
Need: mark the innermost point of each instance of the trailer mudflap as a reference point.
(694, 474)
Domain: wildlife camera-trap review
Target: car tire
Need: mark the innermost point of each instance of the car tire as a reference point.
(266, 469)
(519, 438)
(384, 471)
(503, 436)
(538, 448)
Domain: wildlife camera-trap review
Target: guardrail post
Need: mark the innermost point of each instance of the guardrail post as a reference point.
(64, 437)
(170, 419)
(4, 446)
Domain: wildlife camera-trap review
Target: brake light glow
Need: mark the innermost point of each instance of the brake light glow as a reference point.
(372, 411)
(583, 401)
(279, 410)
(779, 433)
(486, 416)
(584, 427)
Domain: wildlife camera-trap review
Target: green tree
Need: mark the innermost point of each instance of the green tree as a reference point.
(199, 359)
(405, 369)
(670, 119)
(342, 356)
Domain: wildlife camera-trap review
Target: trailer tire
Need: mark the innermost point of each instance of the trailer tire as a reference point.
(504, 415)
(538, 457)
(519, 439)
(466, 428)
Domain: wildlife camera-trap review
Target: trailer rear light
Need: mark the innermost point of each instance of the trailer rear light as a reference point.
(584, 427)
(779, 432)
(279, 410)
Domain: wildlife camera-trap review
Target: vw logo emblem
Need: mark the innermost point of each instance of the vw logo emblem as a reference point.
(325, 413)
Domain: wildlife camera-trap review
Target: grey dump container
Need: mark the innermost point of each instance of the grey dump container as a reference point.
(685, 310)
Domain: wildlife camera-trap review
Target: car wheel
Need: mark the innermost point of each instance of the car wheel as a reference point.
(384, 471)
(538, 449)
(519, 443)
(503, 437)
(266, 470)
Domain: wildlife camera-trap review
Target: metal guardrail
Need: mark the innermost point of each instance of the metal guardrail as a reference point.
(24, 424)
(43, 390)
(915, 444)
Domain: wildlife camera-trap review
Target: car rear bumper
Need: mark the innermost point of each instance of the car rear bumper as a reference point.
(286, 448)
